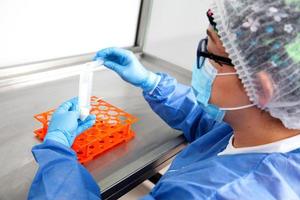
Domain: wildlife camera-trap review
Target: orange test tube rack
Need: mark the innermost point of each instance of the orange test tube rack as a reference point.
(112, 127)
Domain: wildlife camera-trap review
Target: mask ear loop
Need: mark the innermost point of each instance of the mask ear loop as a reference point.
(233, 108)
(238, 108)
(227, 74)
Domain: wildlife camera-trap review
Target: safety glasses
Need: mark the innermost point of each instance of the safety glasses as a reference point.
(202, 54)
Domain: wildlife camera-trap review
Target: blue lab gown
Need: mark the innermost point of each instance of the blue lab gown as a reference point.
(196, 173)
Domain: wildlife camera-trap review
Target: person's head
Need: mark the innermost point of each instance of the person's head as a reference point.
(262, 41)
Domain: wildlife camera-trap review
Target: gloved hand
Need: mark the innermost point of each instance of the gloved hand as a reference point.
(128, 67)
(65, 125)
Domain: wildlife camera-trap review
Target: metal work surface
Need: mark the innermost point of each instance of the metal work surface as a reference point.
(154, 144)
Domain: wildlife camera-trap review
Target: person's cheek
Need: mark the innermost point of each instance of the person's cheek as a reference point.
(221, 91)
(228, 91)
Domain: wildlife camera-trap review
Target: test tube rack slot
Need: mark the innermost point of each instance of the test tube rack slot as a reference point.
(112, 127)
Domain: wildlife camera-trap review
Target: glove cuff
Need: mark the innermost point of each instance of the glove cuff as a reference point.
(57, 136)
(151, 82)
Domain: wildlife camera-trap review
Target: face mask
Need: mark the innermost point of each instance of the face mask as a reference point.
(202, 80)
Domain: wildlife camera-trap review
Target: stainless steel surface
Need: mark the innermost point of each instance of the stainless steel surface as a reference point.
(153, 137)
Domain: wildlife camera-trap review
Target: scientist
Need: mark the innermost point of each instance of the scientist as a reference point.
(241, 116)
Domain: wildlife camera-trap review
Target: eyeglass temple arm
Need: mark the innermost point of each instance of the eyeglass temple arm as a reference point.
(216, 58)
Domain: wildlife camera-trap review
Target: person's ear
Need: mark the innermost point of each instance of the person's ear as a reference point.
(267, 88)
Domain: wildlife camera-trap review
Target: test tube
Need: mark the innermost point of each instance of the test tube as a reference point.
(85, 87)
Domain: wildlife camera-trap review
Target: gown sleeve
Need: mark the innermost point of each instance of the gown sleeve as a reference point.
(60, 175)
(176, 104)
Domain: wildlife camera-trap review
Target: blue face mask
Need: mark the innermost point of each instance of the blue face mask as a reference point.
(202, 81)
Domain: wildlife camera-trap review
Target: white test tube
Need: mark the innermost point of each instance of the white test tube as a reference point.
(85, 87)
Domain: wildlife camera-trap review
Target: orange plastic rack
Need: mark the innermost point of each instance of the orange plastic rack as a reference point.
(112, 127)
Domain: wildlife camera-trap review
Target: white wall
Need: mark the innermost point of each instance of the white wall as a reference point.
(34, 30)
(175, 29)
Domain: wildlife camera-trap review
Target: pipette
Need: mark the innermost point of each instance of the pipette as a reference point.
(85, 87)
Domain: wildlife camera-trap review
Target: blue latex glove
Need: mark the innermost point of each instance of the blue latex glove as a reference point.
(65, 125)
(128, 67)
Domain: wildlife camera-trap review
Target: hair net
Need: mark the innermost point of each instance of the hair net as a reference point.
(263, 38)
